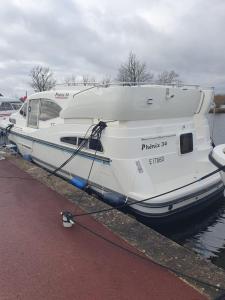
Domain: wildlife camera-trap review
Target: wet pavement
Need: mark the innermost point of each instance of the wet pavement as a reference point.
(40, 259)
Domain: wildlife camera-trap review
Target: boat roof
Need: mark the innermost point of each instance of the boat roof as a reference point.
(60, 96)
(133, 102)
(125, 102)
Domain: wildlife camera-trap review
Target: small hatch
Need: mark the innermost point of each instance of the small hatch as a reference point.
(186, 143)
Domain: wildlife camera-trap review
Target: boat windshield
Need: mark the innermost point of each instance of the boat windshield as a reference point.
(16, 105)
(6, 105)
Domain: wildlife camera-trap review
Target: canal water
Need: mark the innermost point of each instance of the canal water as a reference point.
(205, 233)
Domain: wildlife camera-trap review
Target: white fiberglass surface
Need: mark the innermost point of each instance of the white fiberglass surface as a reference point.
(219, 154)
(161, 179)
(134, 103)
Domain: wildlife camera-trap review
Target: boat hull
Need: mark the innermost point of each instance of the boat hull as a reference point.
(168, 207)
(183, 212)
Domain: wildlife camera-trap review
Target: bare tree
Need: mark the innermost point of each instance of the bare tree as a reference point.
(42, 79)
(134, 71)
(71, 80)
(168, 77)
(87, 80)
(106, 80)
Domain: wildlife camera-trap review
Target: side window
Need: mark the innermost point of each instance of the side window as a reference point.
(186, 143)
(23, 110)
(16, 105)
(96, 145)
(5, 106)
(69, 140)
(92, 144)
(48, 110)
(1, 106)
(82, 141)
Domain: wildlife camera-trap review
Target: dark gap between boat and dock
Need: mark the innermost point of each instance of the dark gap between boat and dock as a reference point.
(33, 210)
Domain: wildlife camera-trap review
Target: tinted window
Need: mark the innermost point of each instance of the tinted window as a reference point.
(48, 110)
(186, 143)
(83, 141)
(95, 144)
(2, 107)
(69, 140)
(5, 106)
(16, 105)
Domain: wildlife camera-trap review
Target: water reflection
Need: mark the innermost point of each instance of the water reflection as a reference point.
(204, 233)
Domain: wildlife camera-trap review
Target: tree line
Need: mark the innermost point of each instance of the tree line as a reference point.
(131, 72)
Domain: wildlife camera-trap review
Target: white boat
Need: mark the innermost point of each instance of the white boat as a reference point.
(153, 152)
(8, 106)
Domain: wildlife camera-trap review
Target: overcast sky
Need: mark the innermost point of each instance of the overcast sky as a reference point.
(77, 37)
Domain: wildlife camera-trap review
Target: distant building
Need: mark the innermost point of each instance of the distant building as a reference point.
(1, 95)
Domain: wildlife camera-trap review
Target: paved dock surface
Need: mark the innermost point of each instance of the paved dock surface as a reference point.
(39, 259)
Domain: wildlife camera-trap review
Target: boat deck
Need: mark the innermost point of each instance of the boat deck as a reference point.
(40, 259)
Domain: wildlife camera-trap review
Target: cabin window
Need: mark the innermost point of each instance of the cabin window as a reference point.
(48, 110)
(16, 105)
(186, 143)
(96, 145)
(92, 144)
(23, 110)
(5, 106)
(83, 142)
(69, 140)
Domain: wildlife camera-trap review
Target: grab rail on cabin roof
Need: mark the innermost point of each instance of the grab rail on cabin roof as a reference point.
(127, 83)
(92, 85)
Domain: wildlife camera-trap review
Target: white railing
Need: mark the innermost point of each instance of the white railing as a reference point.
(108, 84)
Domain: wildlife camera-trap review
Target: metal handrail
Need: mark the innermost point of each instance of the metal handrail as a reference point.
(125, 83)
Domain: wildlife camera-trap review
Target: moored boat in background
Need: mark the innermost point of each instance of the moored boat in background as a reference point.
(8, 106)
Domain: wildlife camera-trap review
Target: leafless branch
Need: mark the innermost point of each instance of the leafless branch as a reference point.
(134, 71)
(87, 80)
(70, 80)
(41, 79)
(168, 77)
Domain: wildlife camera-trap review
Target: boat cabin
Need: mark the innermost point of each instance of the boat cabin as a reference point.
(41, 110)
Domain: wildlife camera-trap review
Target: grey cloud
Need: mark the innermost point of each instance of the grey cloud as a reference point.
(96, 38)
